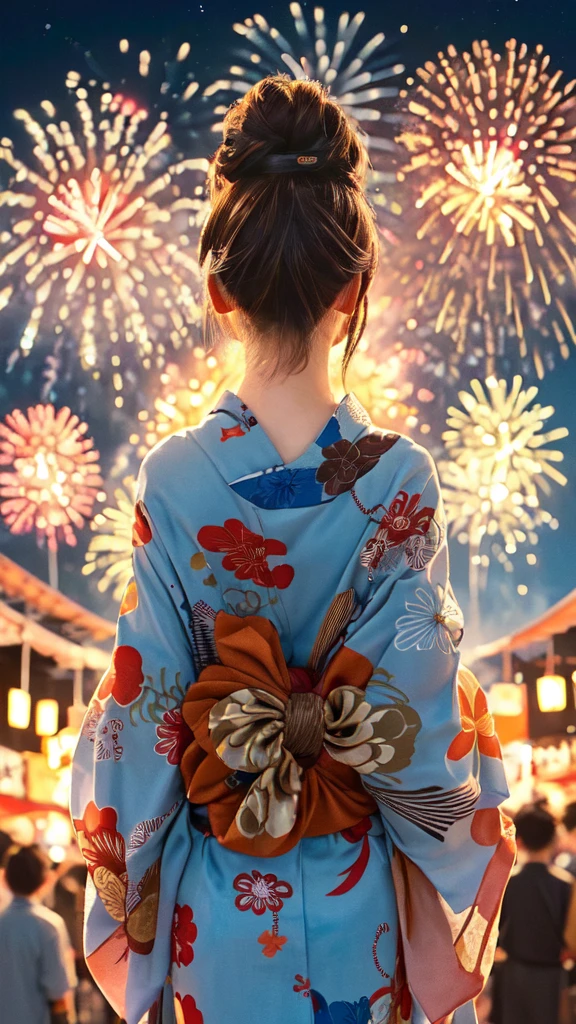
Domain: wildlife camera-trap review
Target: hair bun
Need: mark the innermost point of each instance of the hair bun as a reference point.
(290, 225)
(284, 126)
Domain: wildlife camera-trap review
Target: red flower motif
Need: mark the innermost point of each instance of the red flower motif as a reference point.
(124, 679)
(247, 553)
(141, 529)
(477, 726)
(346, 461)
(261, 892)
(302, 985)
(186, 1010)
(404, 519)
(101, 844)
(272, 943)
(228, 432)
(184, 933)
(173, 737)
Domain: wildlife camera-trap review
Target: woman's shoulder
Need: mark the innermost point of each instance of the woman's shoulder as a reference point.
(406, 454)
(406, 466)
(178, 464)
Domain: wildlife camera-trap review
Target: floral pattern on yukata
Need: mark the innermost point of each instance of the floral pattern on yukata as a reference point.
(433, 620)
(184, 934)
(345, 462)
(288, 646)
(247, 553)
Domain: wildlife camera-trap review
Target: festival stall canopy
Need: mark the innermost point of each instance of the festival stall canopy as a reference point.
(16, 629)
(558, 619)
(18, 583)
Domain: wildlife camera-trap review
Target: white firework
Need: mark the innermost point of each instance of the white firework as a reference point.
(360, 77)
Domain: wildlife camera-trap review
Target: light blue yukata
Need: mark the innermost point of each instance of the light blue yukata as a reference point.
(286, 789)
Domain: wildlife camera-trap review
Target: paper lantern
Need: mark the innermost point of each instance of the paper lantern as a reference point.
(20, 829)
(509, 706)
(53, 753)
(75, 715)
(18, 708)
(47, 717)
(551, 693)
(506, 699)
(58, 830)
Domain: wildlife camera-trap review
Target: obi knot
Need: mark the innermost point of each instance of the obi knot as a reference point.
(304, 728)
(296, 741)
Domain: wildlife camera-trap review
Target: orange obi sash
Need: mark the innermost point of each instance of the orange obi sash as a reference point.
(277, 752)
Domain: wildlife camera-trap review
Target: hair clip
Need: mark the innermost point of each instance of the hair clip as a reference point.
(307, 160)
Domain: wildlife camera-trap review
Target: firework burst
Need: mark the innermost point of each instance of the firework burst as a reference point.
(98, 230)
(491, 157)
(360, 76)
(110, 550)
(54, 477)
(188, 392)
(500, 467)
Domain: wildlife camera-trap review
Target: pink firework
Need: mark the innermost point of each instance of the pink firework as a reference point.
(54, 476)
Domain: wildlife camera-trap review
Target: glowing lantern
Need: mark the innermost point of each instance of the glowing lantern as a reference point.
(47, 717)
(506, 699)
(551, 692)
(509, 706)
(18, 708)
(21, 830)
(58, 831)
(53, 753)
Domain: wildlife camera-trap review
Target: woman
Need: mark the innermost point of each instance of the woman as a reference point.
(277, 788)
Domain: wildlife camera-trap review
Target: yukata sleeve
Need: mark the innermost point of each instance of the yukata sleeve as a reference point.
(437, 776)
(128, 800)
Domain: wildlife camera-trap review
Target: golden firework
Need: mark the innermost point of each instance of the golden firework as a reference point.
(110, 550)
(54, 477)
(188, 392)
(491, 157)
(500, 467)
(99, 226)
(379, 383)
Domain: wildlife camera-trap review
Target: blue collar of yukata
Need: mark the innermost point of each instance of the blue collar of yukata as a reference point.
(253, 466)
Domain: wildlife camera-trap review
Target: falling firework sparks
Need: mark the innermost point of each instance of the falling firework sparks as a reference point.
(54, 476)
(500, 467)
(98, 230)
(110, 550)
(491, 156)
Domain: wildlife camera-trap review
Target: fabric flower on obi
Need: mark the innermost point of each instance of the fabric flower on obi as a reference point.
(305, 741)
(346, 461)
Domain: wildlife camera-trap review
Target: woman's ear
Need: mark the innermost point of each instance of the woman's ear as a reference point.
(347, 300)
(219, 301)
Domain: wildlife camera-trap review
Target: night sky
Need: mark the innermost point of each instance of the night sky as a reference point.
(39, 43)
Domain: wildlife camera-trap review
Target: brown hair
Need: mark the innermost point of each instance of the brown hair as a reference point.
(287, 235)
